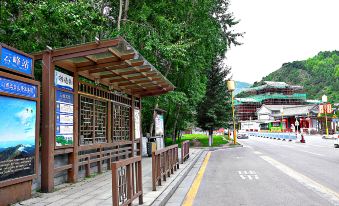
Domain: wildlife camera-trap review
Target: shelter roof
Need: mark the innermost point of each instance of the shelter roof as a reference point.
(112, 63)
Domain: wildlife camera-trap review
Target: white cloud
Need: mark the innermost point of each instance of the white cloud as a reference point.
(281, 31)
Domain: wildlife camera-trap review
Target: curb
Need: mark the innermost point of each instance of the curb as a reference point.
(175, 187)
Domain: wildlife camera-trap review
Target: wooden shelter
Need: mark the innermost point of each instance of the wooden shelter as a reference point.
(105, 81)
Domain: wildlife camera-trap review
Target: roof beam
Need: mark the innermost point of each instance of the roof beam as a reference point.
(79, 54)
(123, 73)
(123, 56)
(100, 66)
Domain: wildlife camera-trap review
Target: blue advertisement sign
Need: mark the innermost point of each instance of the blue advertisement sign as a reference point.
(64, 118)
(10, 86)
(17, 137)
(15, 61)
(64, 97)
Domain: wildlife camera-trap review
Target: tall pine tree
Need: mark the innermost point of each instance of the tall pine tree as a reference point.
(214, 110)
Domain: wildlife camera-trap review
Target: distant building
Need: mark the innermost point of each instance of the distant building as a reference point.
(271, 116)
(271, 93)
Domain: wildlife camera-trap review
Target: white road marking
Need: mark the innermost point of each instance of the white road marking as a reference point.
(298, 150)
(250, 175)
(247, 146)
(322, 190)
(256, 152)
(312, 153)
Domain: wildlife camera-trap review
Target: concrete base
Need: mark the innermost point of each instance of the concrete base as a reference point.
(15, 193)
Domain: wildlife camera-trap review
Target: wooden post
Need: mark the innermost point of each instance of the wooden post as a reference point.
(48, 124)
(139, 186)
(73, 157)
(132, 125)
(154, 171)
(115, 188)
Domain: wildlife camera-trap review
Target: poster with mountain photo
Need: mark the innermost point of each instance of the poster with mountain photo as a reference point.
(17, 137)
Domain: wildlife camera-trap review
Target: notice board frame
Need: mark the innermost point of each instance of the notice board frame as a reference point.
(21, 53)
(37, 124)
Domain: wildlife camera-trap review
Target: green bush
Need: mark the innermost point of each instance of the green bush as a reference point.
(203, 139)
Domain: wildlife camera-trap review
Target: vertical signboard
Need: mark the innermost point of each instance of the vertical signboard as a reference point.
(16, 61)
(159, 125)
(18, 128)
(137, 123)
(63, 81)
(64, 109)
(64, 118)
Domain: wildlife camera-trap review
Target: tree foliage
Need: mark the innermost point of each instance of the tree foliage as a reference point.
(213, 110)
(180, 38)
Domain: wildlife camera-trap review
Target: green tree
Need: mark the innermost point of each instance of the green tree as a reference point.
(214, 109)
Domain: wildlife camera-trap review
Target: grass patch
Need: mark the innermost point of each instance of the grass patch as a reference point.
(218, 140)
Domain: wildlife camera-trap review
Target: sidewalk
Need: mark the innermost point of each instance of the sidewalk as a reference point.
(98, 190)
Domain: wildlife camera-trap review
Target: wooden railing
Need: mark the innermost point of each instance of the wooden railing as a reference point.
(164, 163)
(185, 151)
(127, 181)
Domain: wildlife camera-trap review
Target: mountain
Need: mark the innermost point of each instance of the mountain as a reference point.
(319, 75)
(240, 86)
(18, 151)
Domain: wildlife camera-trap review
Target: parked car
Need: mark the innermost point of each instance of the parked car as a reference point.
(242, 134)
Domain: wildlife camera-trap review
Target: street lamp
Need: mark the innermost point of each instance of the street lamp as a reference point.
(231, 88)
(282, 118)
(324, 99)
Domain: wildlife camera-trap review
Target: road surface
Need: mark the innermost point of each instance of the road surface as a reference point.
(270, 172)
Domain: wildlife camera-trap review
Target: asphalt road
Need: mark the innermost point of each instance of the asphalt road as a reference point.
(272, 172)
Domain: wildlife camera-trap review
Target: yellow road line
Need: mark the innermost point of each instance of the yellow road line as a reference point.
(196, 184)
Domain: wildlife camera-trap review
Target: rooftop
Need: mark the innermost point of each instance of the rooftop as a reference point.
(291, 110)
(274, 85)
(260, 98)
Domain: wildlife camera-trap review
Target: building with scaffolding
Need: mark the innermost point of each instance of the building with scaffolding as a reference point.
(270, 93)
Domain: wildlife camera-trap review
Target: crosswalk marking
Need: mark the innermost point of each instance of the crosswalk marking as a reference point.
(249, 175)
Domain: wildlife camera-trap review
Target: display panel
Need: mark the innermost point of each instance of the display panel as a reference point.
(137, 123)
(159, 125)
(17, 137)
(64, 118)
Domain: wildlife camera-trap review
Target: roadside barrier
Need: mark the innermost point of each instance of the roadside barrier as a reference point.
(185, 151)
(126, 181)
(164, 163)
(276, 135)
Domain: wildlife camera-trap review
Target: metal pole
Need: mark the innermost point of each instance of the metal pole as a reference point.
(325, 108)
(234, 132)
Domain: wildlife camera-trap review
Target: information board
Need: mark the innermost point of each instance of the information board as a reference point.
(159, 125)
(15, 61)
(17, 88)
(17, 137)
(64, 118)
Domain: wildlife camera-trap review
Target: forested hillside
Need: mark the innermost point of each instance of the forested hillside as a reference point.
(181, 39)
(319, 75)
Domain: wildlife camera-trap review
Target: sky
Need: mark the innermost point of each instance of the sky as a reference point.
(280, 31)
(17, 119)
